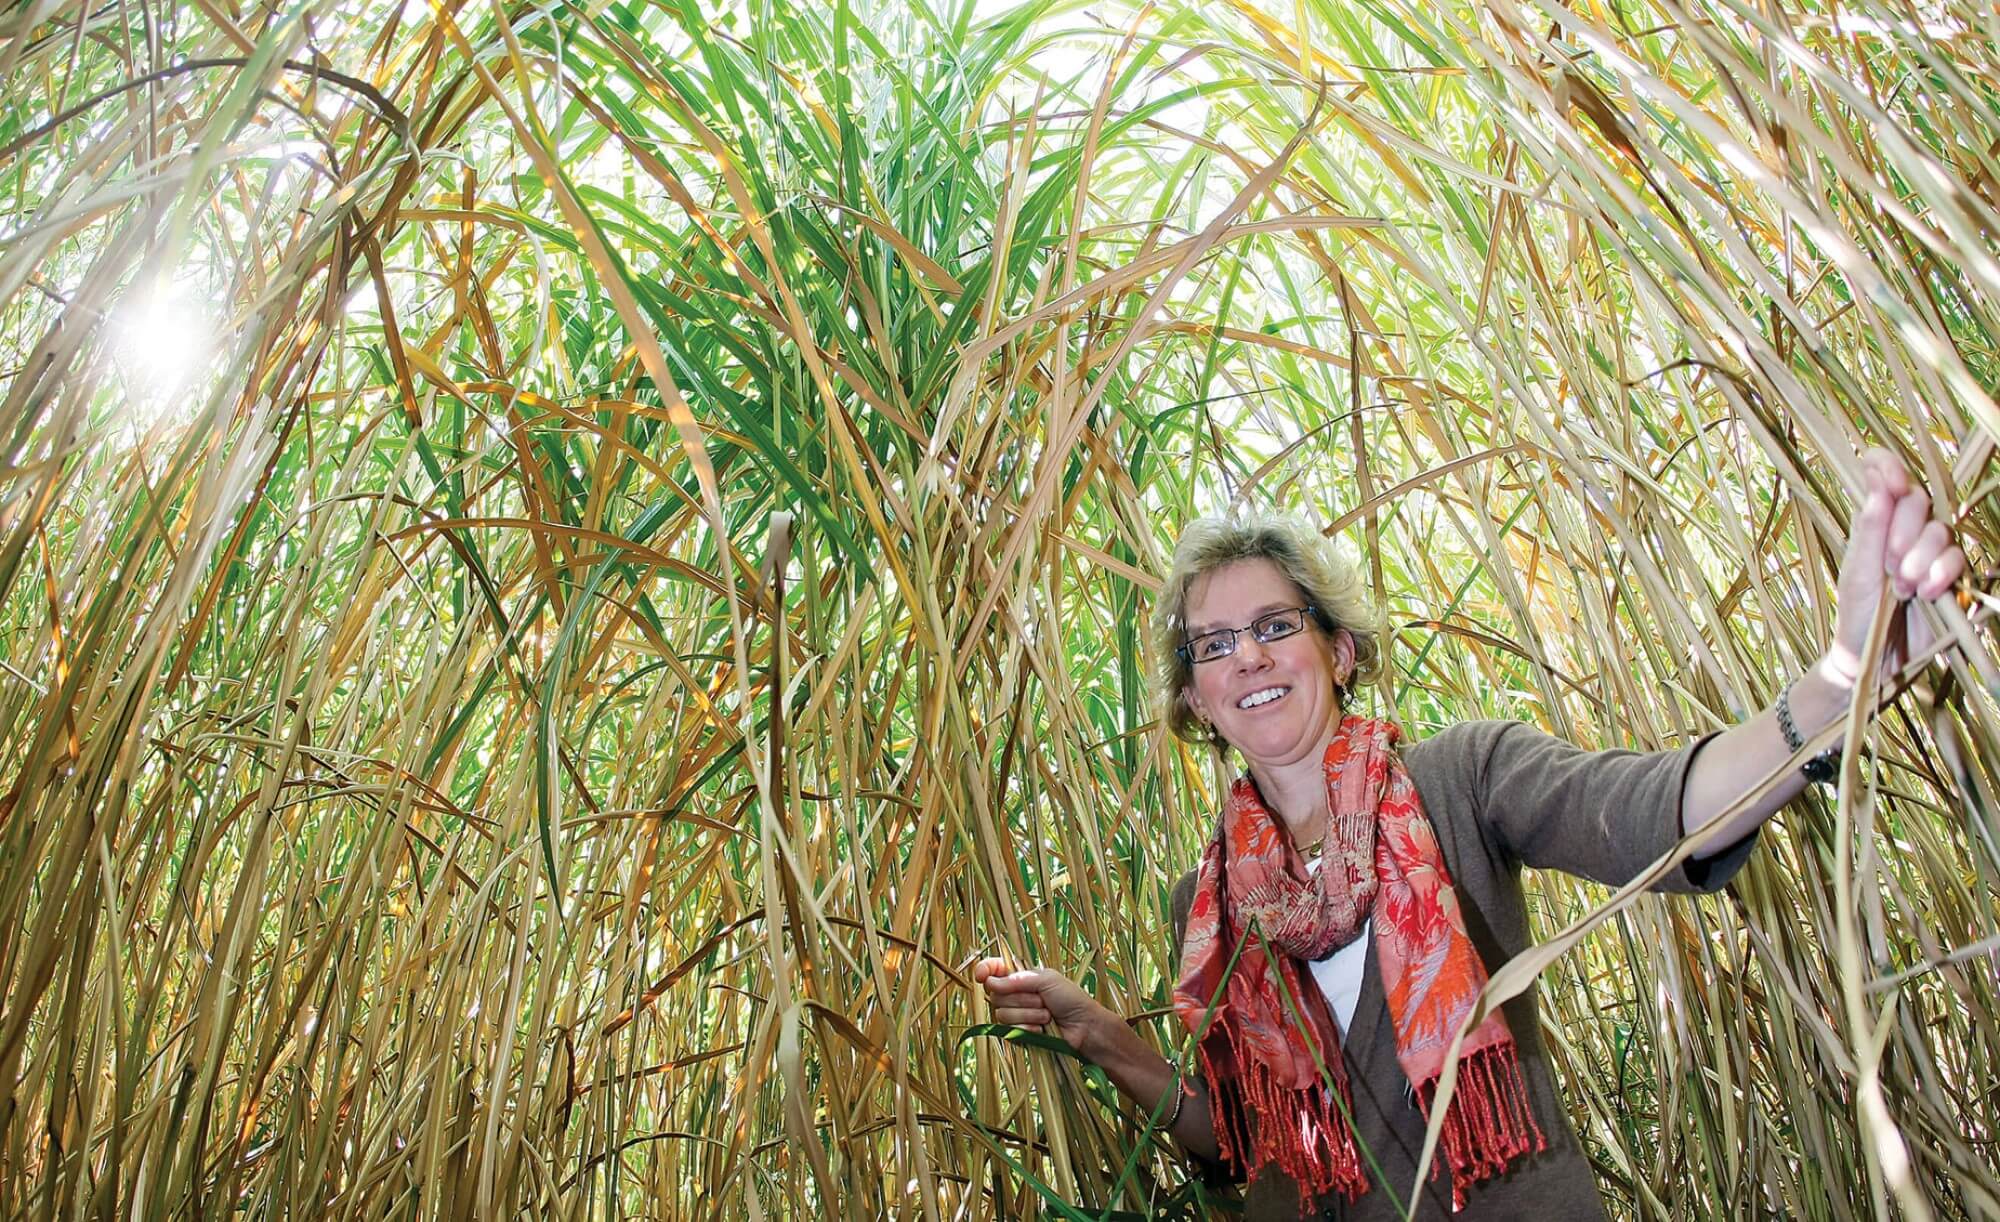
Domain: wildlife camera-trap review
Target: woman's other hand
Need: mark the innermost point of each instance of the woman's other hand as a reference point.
(1893, 540)
(1037, 998)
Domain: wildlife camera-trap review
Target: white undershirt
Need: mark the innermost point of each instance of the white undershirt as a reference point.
(1339, 974)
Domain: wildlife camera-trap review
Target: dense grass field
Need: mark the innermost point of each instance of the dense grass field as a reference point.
(566, 567)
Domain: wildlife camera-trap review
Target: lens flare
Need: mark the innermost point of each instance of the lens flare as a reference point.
(161, 339)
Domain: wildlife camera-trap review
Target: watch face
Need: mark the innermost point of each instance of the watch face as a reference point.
(1821, 767)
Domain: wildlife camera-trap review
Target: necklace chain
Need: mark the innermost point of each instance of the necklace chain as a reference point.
(1311, 852)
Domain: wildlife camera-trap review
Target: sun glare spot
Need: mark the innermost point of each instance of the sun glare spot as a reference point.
(161, 340)
(1944, 27)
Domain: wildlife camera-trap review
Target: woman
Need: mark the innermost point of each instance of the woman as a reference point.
(1363, 891)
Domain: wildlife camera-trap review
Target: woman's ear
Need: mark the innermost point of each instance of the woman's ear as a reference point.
(1343, 657)
(1192, 700)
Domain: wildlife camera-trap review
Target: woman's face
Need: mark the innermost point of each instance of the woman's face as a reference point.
(1303, 669)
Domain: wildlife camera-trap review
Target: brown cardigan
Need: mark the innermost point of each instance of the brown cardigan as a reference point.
(1501, 795)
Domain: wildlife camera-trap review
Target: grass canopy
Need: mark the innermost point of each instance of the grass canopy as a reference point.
(565, 568)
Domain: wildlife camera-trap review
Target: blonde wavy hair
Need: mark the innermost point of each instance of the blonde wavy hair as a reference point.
(1327, 578)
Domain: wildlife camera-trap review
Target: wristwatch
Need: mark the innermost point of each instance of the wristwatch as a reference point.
(1821, 768)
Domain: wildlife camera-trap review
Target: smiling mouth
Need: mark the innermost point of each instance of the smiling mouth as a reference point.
(1261, 697)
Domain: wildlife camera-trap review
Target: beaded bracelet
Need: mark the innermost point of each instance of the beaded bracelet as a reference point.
(1180, 1097)
(1820, 768)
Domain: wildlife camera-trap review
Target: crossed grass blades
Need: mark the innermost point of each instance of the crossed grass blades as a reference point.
(440, 780)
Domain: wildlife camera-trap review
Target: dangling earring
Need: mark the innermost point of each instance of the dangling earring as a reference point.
(1209, 732)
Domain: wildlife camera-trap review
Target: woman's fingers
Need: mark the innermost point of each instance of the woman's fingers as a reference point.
(1869, 532)
(1027, 981)
(1021, 1016)
(1915, 564)
(1038, 999)
(1924, 564)
(1015, 996)
(1906, 523)
(1883, 469)
(1943, 574)
(1008, 985)
(1893, 541)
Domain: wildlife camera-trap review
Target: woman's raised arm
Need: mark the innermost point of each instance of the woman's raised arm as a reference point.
(1894, 541)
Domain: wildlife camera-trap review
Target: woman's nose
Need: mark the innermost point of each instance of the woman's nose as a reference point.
(1251, 653)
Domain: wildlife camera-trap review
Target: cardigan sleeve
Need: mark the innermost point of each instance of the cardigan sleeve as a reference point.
(1604, 815)
(1179, 901)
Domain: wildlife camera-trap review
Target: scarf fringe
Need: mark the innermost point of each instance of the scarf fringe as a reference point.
(1258, 1120)
(1489, 1122)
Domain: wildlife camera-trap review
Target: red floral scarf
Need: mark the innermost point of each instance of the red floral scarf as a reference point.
(1381, 861)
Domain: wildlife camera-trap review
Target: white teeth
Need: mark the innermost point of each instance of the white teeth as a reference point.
(1265, 696)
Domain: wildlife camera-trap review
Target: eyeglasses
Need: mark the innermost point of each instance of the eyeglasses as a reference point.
(1269, 627)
